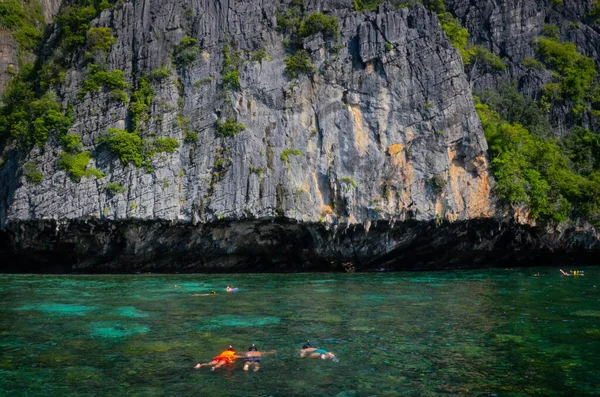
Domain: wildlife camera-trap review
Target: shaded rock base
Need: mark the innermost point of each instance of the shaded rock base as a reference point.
(102, 246)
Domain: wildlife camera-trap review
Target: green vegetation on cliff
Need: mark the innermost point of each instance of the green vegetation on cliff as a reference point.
(74, 20)
(100, 39)
(76, 165)
(556, 179)
(186, 51)
(228, 127)
(574, 73)
(127, 146)
(28, 119)
(299, 63)
(31, 111)
(295, 23)
(25, 20)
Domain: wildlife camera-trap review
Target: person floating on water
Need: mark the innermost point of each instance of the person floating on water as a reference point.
(231, 289)
(576, 273)
(315, 352)
(226, 357)
(211, 293)
(254, 357)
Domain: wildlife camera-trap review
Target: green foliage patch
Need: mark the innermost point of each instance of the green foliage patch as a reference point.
(366, 5)
(71, 143)
(575, 73)
(551, 31)
(231, 64)
(98, 78)
(319, 22)
(25, 20)
(28, 119)
(437, 184)
(299, 26)
(141, 100)
(231, 80)
(260, 54)
(74, 20)
(349, 181)
(32, 174)
(290, 152)
(228, 127)
(486, 57)
(128, 146)
(371, 5)
(533, 64)
(76, 166)
(594, 13)
(166, 145)
(186, 51)
(100, 39)
(115, 188)
(299, 63)
(457, 34)
(159, 75)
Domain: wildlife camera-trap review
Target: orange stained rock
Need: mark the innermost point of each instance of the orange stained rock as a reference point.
(471, 194)
(326, 210)
(360, 139)
(395, 149)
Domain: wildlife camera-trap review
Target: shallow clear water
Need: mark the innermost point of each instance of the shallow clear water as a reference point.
(489, 332)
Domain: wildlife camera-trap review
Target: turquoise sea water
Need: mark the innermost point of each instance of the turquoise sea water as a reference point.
(490, 332)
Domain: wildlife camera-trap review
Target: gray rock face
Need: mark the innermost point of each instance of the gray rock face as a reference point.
(9, 57)
(50, 9)
(382, 131)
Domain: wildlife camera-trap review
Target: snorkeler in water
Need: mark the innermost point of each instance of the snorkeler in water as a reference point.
(575, 273)
(226, 357)
(315, 352)
(254, 357)
(211, 293)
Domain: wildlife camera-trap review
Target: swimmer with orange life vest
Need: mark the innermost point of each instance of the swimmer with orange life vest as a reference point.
(226, 357)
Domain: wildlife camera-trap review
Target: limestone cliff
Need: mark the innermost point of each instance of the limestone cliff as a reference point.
(509, 29)
(382, 131)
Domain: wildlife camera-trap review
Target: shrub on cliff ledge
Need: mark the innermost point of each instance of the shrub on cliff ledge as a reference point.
(319, 22)
(32, 174)
(290, 152)
(575, 72)
(186, 51)
(457, 34)
(486, 57)
(127, 145)
(166, 145)
(100, 39)
(98, 78)
(115, 188)
(299, 63)
(229, 127)
(76, 166)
